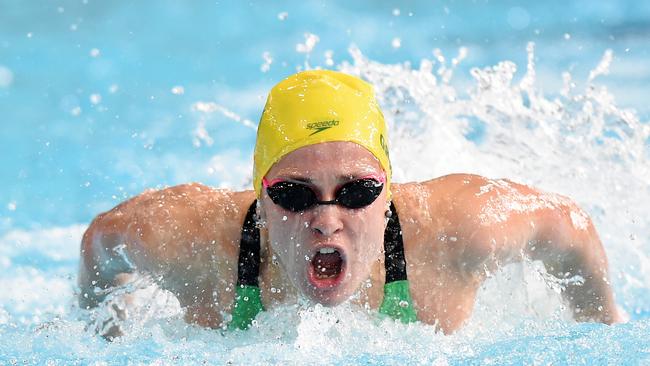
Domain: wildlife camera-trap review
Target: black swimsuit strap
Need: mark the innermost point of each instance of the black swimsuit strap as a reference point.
(394, 259)
(248, 268)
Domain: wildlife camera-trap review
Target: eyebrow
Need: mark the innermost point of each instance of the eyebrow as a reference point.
(340, 177)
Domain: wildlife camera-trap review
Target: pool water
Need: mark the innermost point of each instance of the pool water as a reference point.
(103, 100)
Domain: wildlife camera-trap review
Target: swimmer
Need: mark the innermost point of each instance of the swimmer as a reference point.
(325, 222)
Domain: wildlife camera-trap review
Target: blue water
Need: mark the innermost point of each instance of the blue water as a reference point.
(98, 102)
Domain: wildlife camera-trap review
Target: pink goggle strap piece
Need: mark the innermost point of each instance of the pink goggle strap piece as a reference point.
(379, 178)
(267, 184)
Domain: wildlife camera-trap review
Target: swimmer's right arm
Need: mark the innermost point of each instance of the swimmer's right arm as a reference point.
(186, 238)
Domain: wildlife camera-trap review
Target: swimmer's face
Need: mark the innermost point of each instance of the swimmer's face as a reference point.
(327, 250)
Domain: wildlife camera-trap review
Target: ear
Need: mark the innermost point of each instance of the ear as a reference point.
(260, 212)
(387, 214)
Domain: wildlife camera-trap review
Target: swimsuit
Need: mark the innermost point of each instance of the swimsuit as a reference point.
(397, 302)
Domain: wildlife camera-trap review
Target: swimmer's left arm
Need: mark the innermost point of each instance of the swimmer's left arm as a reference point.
(569, 248)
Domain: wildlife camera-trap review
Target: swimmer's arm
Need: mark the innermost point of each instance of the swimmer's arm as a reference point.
(570, 253)
(575, 253)
(183, 237)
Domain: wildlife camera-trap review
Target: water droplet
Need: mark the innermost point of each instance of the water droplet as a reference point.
(95, 98)
(6, 77)
(178, 90)
(268, 60)
(94, 52)
(328, 58)
(284, 218)
(283, 16)
(310, 43)
(396, 42)
(396, 12)
(403, 303)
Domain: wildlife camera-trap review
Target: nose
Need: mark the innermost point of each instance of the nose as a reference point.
(327, 220)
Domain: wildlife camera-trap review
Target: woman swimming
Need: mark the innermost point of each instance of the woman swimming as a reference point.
(324, 219)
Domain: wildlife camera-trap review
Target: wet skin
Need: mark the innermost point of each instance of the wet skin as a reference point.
(456, 230)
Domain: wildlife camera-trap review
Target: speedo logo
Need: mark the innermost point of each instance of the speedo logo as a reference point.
(321, 126)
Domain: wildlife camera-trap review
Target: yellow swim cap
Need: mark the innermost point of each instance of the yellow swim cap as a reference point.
(317, 106)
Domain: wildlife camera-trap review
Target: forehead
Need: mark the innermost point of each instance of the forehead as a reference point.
(329, 158)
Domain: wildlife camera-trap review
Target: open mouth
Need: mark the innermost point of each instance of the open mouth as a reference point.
(327, 267)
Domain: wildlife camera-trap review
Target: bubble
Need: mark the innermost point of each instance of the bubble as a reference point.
(94, 52)
(396, 12)
(396, 43)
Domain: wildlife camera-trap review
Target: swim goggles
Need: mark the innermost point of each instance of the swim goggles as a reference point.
(296, 197)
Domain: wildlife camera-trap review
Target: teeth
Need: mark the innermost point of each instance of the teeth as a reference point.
(326, 250)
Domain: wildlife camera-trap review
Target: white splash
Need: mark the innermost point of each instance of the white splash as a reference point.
(310, 42)
(577, 143)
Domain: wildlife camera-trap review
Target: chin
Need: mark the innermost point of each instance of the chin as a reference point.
(328, 298)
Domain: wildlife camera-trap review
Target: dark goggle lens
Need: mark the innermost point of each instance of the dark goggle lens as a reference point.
(292, 196)
(298, 197)
(359, 193)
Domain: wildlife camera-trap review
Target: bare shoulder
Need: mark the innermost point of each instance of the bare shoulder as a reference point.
(454, 194)
(191, 202)
(176, 218)
(470, 219)
(476, 200)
